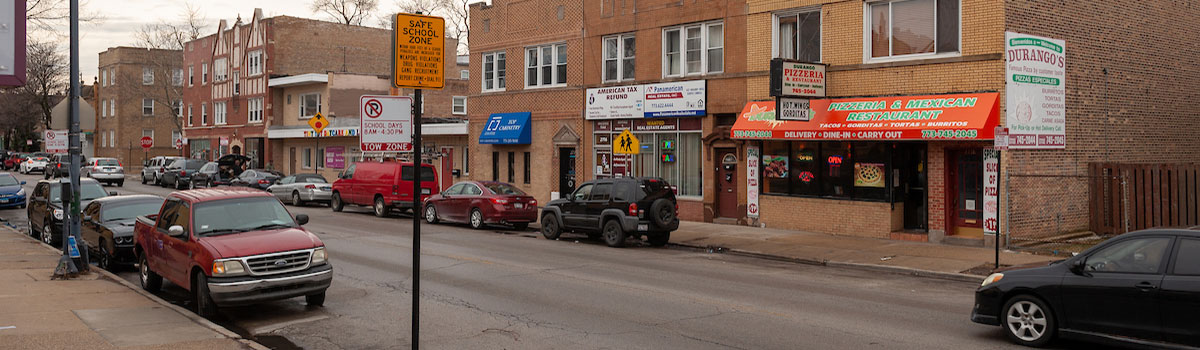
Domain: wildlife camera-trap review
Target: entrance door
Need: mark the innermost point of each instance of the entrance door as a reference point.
(566, 170)
(727, 189)
(292, 160)
(964, 181)
(447, 167)
(909, 189)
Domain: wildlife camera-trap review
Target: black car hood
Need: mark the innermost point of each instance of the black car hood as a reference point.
(1029, 266)
(557, 202)
(121, 228)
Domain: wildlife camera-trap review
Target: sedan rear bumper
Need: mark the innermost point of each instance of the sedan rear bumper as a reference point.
(108, 176)
(315, 196)
(251, 290)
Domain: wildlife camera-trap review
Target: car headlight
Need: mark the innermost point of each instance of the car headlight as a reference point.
(993, 278)
(227, 268)
(319, 257)
(21, 192)
(58, 214)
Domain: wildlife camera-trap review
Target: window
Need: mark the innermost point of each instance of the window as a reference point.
(189, 115)
(320, 158)
(912, 27)
(471, 190)
(147, 107)
(191, 76)
(618, 57)
(827, 169)
(306, 158)
(459, 105)
(237, 84)
(112, 75)
(219, 113)
(177, 77)
(427, 174)
(175, 137)
(512, 166)
(799, 36)
(147, 76)
(694, 49)
(255, 110)
(254, 63)
(1139, 255)
(526, 174)
(495, 166)
(177, 107)
(103, 77)
(103, 108)
(493, 71)
(464, 74)
(148, 133)
(546, 65)
(203, 114)
(220, 69)
(112, 138)
(310, 105)
(1187, 257)
(203, 73)
(601, 192)
(103, 139)
(582, 193)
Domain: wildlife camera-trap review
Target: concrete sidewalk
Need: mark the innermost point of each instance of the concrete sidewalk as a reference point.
(94, 311)
(935, 260)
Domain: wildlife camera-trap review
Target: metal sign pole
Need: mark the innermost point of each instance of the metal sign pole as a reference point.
(417, 211)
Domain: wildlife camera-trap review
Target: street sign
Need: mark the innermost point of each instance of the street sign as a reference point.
(791, 108)
(147, 142)
(626, 143)
(318, 123)
(72, 247)
(179, 143)
(418, 52)
(55, 141)
(1001, 141)
(386, 124)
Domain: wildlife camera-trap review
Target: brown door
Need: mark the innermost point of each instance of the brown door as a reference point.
(727, 190)
(292, 160)
(447, 166)
(964, 192)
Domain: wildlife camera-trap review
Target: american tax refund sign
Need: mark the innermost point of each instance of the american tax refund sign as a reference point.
(1036, 91)
(930, 117)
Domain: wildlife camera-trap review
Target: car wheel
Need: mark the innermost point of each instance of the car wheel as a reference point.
(205, 307)
(48, 235)
(614, 235)
(381, 209)
(1027, 321)
(105, 258)
(121, 184)
(476, 219)
(550, 228)
(191, 185)
(315, 299)
(151, 281)
(658, 239)
(521, 226)
(143, 179)
(296, 199)
(431, 214)
(32, 232)
(209, 184)
(335, 203)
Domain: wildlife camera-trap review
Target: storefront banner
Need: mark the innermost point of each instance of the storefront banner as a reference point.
(621, 125)
(656, 125)
(603, 126)
(991, 186)
(507, 129)
(797, 79)
(1035, 91)
(618, 102)
(931, 117)
(676, 99)
(335, 157)
(752, 181)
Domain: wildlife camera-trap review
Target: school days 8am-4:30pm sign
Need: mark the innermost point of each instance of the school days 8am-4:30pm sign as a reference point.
(385, 124)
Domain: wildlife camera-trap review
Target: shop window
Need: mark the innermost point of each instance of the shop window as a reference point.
(804, 165)
(512, 169)
(776, 171)
(856, 170)
(870, 169)
(838, 176)
(901, 28)
(799, 36)
(526, 164)
(689, 152)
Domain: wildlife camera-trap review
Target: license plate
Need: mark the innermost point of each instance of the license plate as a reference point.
(643, 227)
(425, 191)
(110, 169)
(3, 201)
(518, 205)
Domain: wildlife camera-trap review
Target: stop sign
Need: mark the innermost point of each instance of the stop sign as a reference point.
(147, 142)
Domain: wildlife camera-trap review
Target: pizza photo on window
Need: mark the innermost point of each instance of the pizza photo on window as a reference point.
(775, 167)
(868, 175)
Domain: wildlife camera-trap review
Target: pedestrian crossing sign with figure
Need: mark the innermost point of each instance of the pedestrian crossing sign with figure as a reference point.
(625, 143)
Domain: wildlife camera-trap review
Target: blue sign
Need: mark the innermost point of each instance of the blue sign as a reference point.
(507, 129)
(72, 248)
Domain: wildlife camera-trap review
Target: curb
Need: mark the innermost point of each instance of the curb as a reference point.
(898, 270)
(190, 315)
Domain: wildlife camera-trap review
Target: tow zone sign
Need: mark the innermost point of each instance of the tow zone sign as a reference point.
(385, 123)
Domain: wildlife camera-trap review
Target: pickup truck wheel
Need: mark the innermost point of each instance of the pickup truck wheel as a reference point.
(205, 307)
(476, 219)
(315, 299)
(550, 228)
(658, 239)
(335, 203)
(381, 209)
(614, 235)
(151, 281)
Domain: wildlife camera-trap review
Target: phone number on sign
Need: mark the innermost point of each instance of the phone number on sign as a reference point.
(950, 134)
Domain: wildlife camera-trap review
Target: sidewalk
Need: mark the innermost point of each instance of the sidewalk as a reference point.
(95, 311)
(935, 260)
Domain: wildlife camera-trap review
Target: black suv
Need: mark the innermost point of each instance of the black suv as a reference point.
(614, 209)
(45, 208)
(60, 165)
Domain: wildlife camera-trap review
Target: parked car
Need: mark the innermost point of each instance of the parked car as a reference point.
(106, 170)
(382, 185)
(302, 188)
(107, 227)
(256, 178)
(178, 173)
(14, 160)
(34, 163)
(12, 194)
(152, 169)
(60, 165)
(231, 248)
(614, 209)
(45, 211)
(482, 203)
(1141, 287)
(209, 175)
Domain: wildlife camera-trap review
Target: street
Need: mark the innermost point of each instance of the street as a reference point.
(497, 289)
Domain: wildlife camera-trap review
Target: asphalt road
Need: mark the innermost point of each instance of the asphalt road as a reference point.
(498, 289)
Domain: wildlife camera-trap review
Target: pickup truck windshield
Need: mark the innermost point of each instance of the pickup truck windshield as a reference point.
(240, 215)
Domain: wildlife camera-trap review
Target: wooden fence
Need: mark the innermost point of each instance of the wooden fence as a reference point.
(1130, 197)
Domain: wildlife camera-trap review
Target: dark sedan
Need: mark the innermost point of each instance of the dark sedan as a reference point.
(256, 178)
(1141, 288)
(107, 227)
(479, 203)
(45, 209)
(179, 173)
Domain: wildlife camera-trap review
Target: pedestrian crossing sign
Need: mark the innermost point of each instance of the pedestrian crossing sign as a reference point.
(626, 143)
(318, 123)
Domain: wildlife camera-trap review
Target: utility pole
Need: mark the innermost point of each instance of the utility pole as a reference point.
(71, 238)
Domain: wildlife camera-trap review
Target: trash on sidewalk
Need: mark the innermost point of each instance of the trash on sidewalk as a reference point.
(886, 258)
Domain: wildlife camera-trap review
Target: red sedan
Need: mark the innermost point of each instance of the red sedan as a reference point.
(479, 203)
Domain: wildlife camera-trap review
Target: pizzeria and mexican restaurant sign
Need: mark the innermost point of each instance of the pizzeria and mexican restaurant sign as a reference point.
(931, 117)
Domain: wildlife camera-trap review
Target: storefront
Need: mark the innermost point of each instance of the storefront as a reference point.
(877, 166)
(301, 151)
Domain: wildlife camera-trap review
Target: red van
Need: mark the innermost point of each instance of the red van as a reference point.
(382, 185)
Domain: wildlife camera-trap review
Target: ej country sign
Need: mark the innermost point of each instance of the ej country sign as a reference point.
(954, 117)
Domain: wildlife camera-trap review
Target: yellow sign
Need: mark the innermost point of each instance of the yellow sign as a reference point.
(626, 143)
(318, 122)
(418, 52)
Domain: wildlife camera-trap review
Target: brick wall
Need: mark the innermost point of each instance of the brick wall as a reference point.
(839, 217)
(128, 91)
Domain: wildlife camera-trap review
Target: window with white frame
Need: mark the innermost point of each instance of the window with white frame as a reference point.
(912, 28)
(203, 114)
(220, 69)
(147, 76)
(493, 71)
(178, 107)
(459, 106)
(103, 108)
(204, 73)
(546, 65)
(191, 76)
(254, 63)
(112, 107)
(177, 77)
(310, 104)
(255, 112)
(112, 138)
(112, 77)
(464, 74)
(219, 113)
(306, 158)
(148, 133)
(694, 49)
(104, 139)
(103, 77)
(189, 116)
(237, 84)
(619, 52)
(799, 35)
(147, 107)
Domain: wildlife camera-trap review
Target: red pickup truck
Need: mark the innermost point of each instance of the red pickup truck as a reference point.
(231, 247)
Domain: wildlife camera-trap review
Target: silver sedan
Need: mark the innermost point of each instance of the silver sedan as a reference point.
(302, 188)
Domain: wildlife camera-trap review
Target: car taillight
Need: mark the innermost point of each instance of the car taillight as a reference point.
(533, 202)
(676, 209)
(95, 168)
(633, 210)
(499, 201)
(263, 182)
(310, 186)
(183, 173)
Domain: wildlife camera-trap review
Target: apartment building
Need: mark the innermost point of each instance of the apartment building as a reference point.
(139, 94)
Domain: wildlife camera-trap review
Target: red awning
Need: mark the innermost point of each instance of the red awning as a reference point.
(931, 117)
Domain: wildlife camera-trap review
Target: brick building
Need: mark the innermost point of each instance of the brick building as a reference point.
(138, 94)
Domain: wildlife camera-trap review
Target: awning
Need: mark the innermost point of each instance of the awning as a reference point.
(930, 117)
(507, 129)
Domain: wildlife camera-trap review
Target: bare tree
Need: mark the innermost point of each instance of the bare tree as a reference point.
(19, 119)
(47, 14)
(349, 12)
(172, 35)
(46, 77)
(458, 23)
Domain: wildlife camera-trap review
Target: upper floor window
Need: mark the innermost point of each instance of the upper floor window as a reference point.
(254, 63)
(694, 49)
(112, 107)
(464, 74)
(459, 105)
(255, 110)
(177, 77)
(103, 108)
(177, 106)
(220, 69)
(493, 71)
(618, 57)
(103, 77)
(219, 113)
(147, 76)
(904, 28)
(237, 84)
(147, 107)
(310, 105)
(112, 74)
(546, 65)
(799, 36)
(204, 74)
(189, 115)
(191, 76)
(203, 114)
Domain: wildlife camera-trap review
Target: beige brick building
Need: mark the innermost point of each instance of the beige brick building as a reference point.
(137, 94)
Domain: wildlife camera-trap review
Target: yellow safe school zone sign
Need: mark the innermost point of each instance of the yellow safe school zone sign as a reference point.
(418, 52)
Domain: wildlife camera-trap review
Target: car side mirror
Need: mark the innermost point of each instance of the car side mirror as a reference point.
(302, 219)
(175, 231)
(22, 182)
(1079, 267)
(87, 218)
